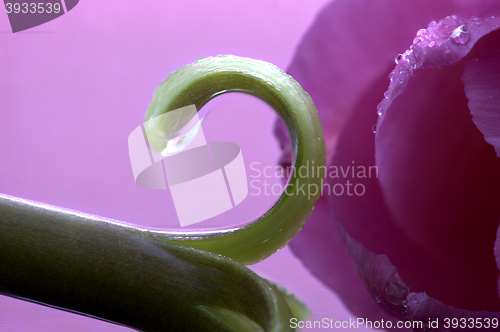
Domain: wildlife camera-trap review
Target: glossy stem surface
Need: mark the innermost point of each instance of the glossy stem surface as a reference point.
(93, 266)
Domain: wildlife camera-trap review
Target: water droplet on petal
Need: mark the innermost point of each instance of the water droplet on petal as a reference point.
(405, 303)
(432, 23)
(397, 58)
(405, 314)
(421, 32)
(432, 43)
(416, 40)
(391, 75)
(374, 129)
(380, 108)
(460, 35)
(396, 290)
(448, 21)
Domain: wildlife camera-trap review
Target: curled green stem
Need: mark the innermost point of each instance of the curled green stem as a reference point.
(207, 78)
(142, 278)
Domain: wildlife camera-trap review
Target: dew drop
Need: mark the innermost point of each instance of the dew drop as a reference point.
(448, 21)
(460, 35)
(397, 58)
(396, 290)
(405, 314)
(374, 128)
(432, 44)
(421, 32)
(380, 108)
(179, 135)
(432, 23)
(416, 40)
(405, 303)
(386, 94)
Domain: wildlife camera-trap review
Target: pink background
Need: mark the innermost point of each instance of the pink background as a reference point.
(73, 89)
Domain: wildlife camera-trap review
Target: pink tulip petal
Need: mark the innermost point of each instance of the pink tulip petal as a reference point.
(352, 42)
(441, 44)
(346, 52)
(366, 217)
(481, 79)
(431, 311)
(333, 266)
(383, 281)
(482, 88)
(320, 236)
(440, 179)
(378, 274)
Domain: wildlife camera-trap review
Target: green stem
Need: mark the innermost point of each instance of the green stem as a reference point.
(93, 266)
(139, 277)
(207, 78)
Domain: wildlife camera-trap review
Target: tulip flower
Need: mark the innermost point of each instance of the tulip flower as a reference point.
(420, 243)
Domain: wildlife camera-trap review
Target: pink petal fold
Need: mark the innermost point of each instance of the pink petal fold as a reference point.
(418, 310)
(343, 64)
(352, 42)
(366, 218)
(441, 44)
(332, 263)
(440, 179)
(481, 78)
(438, 317)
